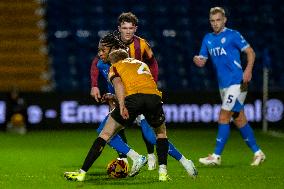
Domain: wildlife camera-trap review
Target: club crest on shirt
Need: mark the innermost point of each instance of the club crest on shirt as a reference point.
(223, 40)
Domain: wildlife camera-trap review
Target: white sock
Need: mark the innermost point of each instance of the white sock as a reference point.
(151, 156)
(142, 117)
(183, 160)
(163, 169)
(215, 155)
(257, 152)
(82, 171)
(132, 155)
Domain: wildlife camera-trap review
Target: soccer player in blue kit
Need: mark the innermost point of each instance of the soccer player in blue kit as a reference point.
(224, 46)
(106, 45)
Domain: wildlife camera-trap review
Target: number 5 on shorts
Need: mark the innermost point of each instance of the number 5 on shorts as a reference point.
(230, 99)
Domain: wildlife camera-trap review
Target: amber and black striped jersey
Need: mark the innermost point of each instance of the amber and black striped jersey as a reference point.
(141, 50)
(138, 49)
(135, 75)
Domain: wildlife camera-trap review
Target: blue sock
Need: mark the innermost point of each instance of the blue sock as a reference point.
(116, 141)
(148, 132)
(248, 136)
(174, 152)
(222, 137)
(118, 144)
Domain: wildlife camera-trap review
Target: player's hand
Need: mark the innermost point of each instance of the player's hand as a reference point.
(124, 112)
(108, 97)
(247, 75)
(95, 93)
(199, 61)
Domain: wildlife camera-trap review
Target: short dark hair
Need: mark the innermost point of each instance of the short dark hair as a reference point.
(117, 55)
(112, 40)
(127, 17)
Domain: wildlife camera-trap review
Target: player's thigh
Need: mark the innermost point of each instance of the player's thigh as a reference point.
(232, 98)
(132, 105)
(240, 120)
(111, 128)
(161, 131)
(153, 111)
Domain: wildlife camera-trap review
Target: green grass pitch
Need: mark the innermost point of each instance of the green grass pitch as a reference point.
(39, 159)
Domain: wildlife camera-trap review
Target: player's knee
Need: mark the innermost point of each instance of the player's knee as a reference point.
(161, 131)
(235, 115)
(161, 135)
(105, 135)
(157, 122)
(240, 120)
(225, 116)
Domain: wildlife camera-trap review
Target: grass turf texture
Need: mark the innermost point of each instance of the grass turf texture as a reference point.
(39, 159)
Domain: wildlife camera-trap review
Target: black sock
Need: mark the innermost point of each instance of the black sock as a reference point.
(149, 146)
(162, 150)
(121, 133)
(94, 153)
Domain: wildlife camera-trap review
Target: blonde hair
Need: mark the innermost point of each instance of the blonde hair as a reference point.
(117, 55)
(216, 10)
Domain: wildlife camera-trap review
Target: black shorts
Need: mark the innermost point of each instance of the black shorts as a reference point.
(149, 105)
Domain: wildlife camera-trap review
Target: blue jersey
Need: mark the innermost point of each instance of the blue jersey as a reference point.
(104, 69)
(224, 49)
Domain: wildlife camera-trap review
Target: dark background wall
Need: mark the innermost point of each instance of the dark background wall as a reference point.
(173, 28)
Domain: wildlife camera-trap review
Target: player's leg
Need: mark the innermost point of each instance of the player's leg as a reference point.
(110, 128)
(221, 140)
(229, 96)
(119, 145)
(248, 136)
(173, 151)
(186, 163)
(155, 116)
(149, 138)
(162, 151)
(121, 134)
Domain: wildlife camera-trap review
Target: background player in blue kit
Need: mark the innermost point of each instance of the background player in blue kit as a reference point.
(224, 46)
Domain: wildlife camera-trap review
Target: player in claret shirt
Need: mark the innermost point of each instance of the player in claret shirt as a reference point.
(139, 49)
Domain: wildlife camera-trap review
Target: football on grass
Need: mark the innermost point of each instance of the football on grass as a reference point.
(117, 168)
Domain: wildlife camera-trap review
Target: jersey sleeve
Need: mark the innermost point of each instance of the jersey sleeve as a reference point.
(240, 41)
(94, 72)
(112, 73)
(151, 61)
(203, 50)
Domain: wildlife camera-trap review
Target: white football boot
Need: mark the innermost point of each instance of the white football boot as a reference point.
(190, 168)
(258, 158)
(212, 159)
(137, 165)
